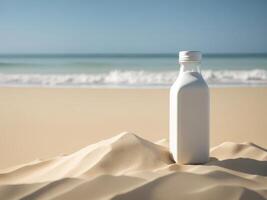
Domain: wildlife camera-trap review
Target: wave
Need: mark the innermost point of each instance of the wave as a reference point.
(133, 78)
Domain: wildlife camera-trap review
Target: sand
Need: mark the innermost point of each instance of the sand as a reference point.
(50, 149)
(44, 122)
(127, 166)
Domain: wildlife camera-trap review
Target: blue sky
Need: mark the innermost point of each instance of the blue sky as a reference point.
(137, 26)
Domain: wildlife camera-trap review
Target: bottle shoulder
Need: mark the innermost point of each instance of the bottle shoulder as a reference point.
(189, 80)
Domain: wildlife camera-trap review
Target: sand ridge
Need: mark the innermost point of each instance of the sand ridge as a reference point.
(127, 166)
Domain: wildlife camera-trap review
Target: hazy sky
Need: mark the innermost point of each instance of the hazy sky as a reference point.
(132, 26)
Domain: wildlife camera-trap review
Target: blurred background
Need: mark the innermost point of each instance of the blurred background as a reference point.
(64, 43)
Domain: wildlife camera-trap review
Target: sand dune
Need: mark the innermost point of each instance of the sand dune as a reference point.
(130, 167)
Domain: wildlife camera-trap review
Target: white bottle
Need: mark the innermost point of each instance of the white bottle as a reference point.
(189, 112)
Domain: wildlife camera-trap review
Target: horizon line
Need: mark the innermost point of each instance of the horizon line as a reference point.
(123, 54)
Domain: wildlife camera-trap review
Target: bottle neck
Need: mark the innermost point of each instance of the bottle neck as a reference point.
(190, 67)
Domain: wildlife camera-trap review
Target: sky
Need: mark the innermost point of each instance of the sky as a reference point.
(136, 26)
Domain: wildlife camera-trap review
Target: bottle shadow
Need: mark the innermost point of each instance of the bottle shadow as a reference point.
(244, 165)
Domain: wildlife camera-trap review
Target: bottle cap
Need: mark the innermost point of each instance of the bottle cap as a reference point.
(190, 56)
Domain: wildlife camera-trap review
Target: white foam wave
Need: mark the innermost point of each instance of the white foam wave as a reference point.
(133, 78)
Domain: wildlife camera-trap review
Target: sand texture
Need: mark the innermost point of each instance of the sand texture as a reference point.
(127, 166)
(47, 122)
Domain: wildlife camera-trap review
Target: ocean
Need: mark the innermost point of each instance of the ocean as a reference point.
(127, 70)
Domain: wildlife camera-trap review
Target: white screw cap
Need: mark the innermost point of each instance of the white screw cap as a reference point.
(190, 56)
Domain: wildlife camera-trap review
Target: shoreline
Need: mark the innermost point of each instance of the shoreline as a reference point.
(128, 87)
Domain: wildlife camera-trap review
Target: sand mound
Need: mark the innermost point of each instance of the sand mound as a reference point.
(129, 167)
(119, 155)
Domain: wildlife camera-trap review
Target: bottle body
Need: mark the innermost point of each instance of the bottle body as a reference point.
(189, 117)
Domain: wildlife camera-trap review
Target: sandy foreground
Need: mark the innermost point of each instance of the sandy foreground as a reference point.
(39, 126)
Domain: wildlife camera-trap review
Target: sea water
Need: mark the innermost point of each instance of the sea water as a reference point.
(127, 70)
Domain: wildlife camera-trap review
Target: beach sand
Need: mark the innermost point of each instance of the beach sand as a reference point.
(53, 131)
